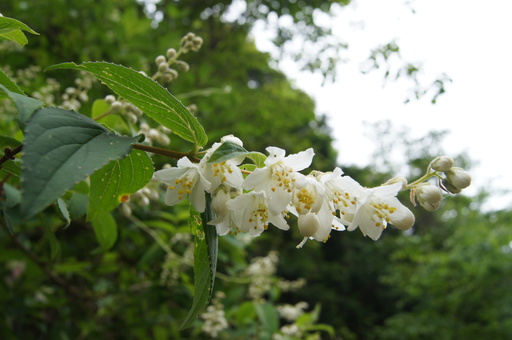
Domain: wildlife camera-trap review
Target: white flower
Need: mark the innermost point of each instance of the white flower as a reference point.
(185, 180)
(279, 176)
(342, 192)
(224, 217)
(376, 207)
(251, 213)
(226, 172)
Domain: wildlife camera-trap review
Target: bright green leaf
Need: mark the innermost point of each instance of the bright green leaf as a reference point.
(116, 181)
(11, 29)
(205, 262)
(105, 229)
(147, 95)
(9, 84)
(26, 106)
(62, 148)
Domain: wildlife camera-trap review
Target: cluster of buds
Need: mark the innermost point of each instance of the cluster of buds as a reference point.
(159, 134)
(124, 107)
(428, 195)
(165, 73)
(74, 96)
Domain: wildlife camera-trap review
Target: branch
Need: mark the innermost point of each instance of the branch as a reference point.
(9, 154)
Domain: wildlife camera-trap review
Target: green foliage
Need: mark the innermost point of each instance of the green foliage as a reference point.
(205, 263)
(11, 29)
(116, 181)
(61, 148)
(148, 96)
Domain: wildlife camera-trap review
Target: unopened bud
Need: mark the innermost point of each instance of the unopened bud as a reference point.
(405, 221)
(397, 180)
(171, 53)
(110, 99)
(443, 163)
(160, 60)
(458, 178)
(429, 196)
(163, 67)
(116, 105)
(308, 224)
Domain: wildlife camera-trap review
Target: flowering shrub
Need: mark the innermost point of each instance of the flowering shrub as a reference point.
(232, 190)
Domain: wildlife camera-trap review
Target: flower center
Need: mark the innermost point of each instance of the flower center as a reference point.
(281, 175)
(220, 169)
(381, 214)
(184, 185)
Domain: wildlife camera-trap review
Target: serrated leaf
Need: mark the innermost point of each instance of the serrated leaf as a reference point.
(9, 84)
(61, 148)
(147, 95)
(105, 229)
(117, 180)
(11, 29)
(205, 262)
(26, 106)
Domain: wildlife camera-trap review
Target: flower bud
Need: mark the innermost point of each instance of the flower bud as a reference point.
(163, 67)
(397, 180)
(429, 196)
(308, 224)
(110, 99)
(404, 221)
(171, 53)
(458, 178)
(442, 163)
(160, 60)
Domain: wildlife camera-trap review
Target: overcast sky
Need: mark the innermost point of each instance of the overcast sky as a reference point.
(468, 40)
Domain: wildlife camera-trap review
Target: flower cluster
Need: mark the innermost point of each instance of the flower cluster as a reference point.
(321, 201)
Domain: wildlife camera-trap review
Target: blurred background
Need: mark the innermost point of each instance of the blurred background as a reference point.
(292, 74)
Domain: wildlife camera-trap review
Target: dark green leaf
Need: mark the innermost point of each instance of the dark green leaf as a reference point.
(205, 262)
(269, 318)
(147, 95)
(62, 148)
(26, 106)
(229, 150)
(116, 181)
(105, 228)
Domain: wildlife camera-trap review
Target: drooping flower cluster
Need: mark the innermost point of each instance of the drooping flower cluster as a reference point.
(321, 201)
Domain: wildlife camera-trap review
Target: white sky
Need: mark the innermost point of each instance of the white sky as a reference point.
(469, 40)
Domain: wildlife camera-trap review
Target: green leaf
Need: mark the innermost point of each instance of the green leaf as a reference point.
(26, 106)
(147, 95)
(64, 211)
(61, 148)
(8, 84)
(269, 318)
(117, 180)
(105, 229)
(205, 262)
(229, 150)
(11, 29)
